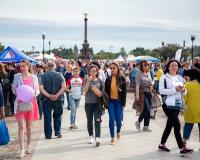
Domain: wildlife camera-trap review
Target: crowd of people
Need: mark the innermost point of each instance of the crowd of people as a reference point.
(104, 86)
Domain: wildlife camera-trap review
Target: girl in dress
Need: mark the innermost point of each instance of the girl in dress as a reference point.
(26, 78)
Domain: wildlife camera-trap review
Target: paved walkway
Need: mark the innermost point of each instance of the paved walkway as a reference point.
(133, 145)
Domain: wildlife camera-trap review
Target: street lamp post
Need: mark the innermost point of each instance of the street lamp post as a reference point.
(161, 50)
(49, 46)
(43, 37)
(183, 44)
(163, 43)
(192, 39)
(33, 49)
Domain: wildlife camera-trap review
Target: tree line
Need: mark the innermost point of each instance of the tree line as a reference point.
(164, 53)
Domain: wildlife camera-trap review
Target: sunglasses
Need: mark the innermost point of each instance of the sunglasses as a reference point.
(75, 71)
(93, 71)
(146, 65)
(113, 68)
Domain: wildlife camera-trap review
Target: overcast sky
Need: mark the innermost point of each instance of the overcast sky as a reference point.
(116, 23)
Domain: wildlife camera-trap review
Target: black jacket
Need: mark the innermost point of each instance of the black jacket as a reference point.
(122, 84)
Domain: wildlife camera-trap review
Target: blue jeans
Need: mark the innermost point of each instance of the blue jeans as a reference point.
(187, 130)
(133, 83)
(122, 114)
(74, 104)
(48, 107)
(115, 114)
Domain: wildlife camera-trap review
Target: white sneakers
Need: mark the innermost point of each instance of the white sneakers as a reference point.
(21, 154)
(98, 142)
(28, 149)
(91, 140)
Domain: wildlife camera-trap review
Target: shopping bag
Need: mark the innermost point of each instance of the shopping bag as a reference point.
(155, 100)
(4, 133)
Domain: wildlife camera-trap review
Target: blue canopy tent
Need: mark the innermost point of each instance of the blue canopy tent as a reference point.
(11, 54)
(138, 59)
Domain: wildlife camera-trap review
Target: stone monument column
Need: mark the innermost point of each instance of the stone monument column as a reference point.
(85, 51)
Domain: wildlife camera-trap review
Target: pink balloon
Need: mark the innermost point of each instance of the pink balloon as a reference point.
(25, 93)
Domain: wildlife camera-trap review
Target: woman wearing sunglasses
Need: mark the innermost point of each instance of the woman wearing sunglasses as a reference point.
(93, 88)
(115, 87)
(144, 88)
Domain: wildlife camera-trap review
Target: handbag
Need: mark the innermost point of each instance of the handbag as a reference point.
(25, 106)
(103, 101)
(4, 133)
(155, 100)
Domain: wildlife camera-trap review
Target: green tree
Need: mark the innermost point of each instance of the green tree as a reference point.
(155, 53)
(168, 51)
(75, 49)
(64, 53)
(139, 51)
(122, 51)
(102, 55)
(2, 47)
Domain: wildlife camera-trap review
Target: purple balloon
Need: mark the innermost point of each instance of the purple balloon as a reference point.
(25, 93)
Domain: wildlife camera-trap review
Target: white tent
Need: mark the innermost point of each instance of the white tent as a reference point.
(39, 56)
(35, 55)
(120, 59)
(131, 58)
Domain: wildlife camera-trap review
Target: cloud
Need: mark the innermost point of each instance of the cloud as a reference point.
(148, 33)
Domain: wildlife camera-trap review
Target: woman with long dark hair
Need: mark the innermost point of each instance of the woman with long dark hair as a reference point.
(171, 87)
(115, 87)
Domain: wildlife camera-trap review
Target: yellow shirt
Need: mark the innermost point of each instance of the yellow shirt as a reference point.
(114, 90)
(159, 73)
(192, 100)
